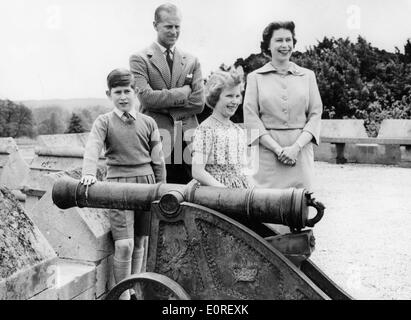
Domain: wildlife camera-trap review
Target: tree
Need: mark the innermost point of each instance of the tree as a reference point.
(43, 113)
(52, 125)
(75, 125)
(407, 51)
(16, 120)
(89, 113)
(86, 118)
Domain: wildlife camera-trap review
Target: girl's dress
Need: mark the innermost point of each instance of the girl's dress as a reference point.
(224, 147)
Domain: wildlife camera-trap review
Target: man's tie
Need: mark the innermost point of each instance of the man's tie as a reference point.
(169, 60)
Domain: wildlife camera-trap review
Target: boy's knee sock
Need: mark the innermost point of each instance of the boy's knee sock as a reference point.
(137, 260)
(121, 270)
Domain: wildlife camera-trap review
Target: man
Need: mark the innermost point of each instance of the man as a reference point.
(171, 90)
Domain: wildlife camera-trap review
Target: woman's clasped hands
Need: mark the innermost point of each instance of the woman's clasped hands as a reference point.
(288, 155)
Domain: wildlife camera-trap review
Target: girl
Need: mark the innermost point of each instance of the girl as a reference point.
(219, 146)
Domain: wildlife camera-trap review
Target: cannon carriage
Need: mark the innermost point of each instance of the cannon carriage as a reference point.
(216, 243)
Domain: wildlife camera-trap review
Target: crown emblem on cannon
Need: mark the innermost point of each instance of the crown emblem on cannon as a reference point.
(244, 273)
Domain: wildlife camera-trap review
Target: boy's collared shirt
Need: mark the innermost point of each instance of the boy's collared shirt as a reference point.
(120, 113)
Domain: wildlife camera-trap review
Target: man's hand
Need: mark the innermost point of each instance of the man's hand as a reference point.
(289, 155)
(188, 89)
(88, 180)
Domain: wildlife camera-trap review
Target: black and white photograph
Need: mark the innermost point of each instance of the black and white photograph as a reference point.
(205, 150)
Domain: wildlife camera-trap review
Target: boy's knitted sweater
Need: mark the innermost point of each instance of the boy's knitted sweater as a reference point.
(130, 149)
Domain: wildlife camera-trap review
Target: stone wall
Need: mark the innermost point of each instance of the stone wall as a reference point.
(25, 254)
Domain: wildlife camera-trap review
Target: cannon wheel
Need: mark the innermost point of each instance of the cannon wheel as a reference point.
(176, 292)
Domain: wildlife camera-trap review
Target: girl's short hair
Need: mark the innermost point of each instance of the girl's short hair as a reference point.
(268, 34)
(217, 82)
(120, 78)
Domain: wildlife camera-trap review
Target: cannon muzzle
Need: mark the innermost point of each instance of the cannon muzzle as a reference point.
(280, 206)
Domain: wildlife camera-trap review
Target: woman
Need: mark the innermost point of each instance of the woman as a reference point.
(283, 104)
(219, 146)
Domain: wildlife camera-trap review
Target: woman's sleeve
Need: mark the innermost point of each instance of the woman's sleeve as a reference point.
(315, 109)
(255, 127)
(156, 153)
(95, 143)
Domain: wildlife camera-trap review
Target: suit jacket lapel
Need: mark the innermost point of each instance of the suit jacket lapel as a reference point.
(158, 59)
(178, 66)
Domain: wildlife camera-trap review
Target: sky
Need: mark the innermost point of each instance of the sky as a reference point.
(63, 49)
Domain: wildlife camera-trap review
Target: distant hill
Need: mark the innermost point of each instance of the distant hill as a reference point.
(53, 116)
(68, 104)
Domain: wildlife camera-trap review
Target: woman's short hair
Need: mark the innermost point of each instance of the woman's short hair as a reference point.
(217, 82)
(269, 30)
(120, 78)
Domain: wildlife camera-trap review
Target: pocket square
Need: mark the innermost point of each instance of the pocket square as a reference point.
(189, 79)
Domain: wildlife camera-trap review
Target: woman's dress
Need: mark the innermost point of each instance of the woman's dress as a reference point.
(283, 105)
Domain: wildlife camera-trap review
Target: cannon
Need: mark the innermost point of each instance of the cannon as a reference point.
(216, 243)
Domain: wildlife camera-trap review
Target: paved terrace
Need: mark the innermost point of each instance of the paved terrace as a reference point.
(364, 240)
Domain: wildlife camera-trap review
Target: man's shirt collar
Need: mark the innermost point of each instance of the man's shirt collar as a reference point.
(164, 49)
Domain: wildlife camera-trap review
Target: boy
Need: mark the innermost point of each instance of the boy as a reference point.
(134, 154)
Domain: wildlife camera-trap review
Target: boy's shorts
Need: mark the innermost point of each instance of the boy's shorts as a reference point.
(126, 224)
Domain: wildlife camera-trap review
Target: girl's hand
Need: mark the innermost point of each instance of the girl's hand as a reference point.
(88, 180)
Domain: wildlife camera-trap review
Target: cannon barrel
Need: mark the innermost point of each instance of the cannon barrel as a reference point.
(280, 206)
